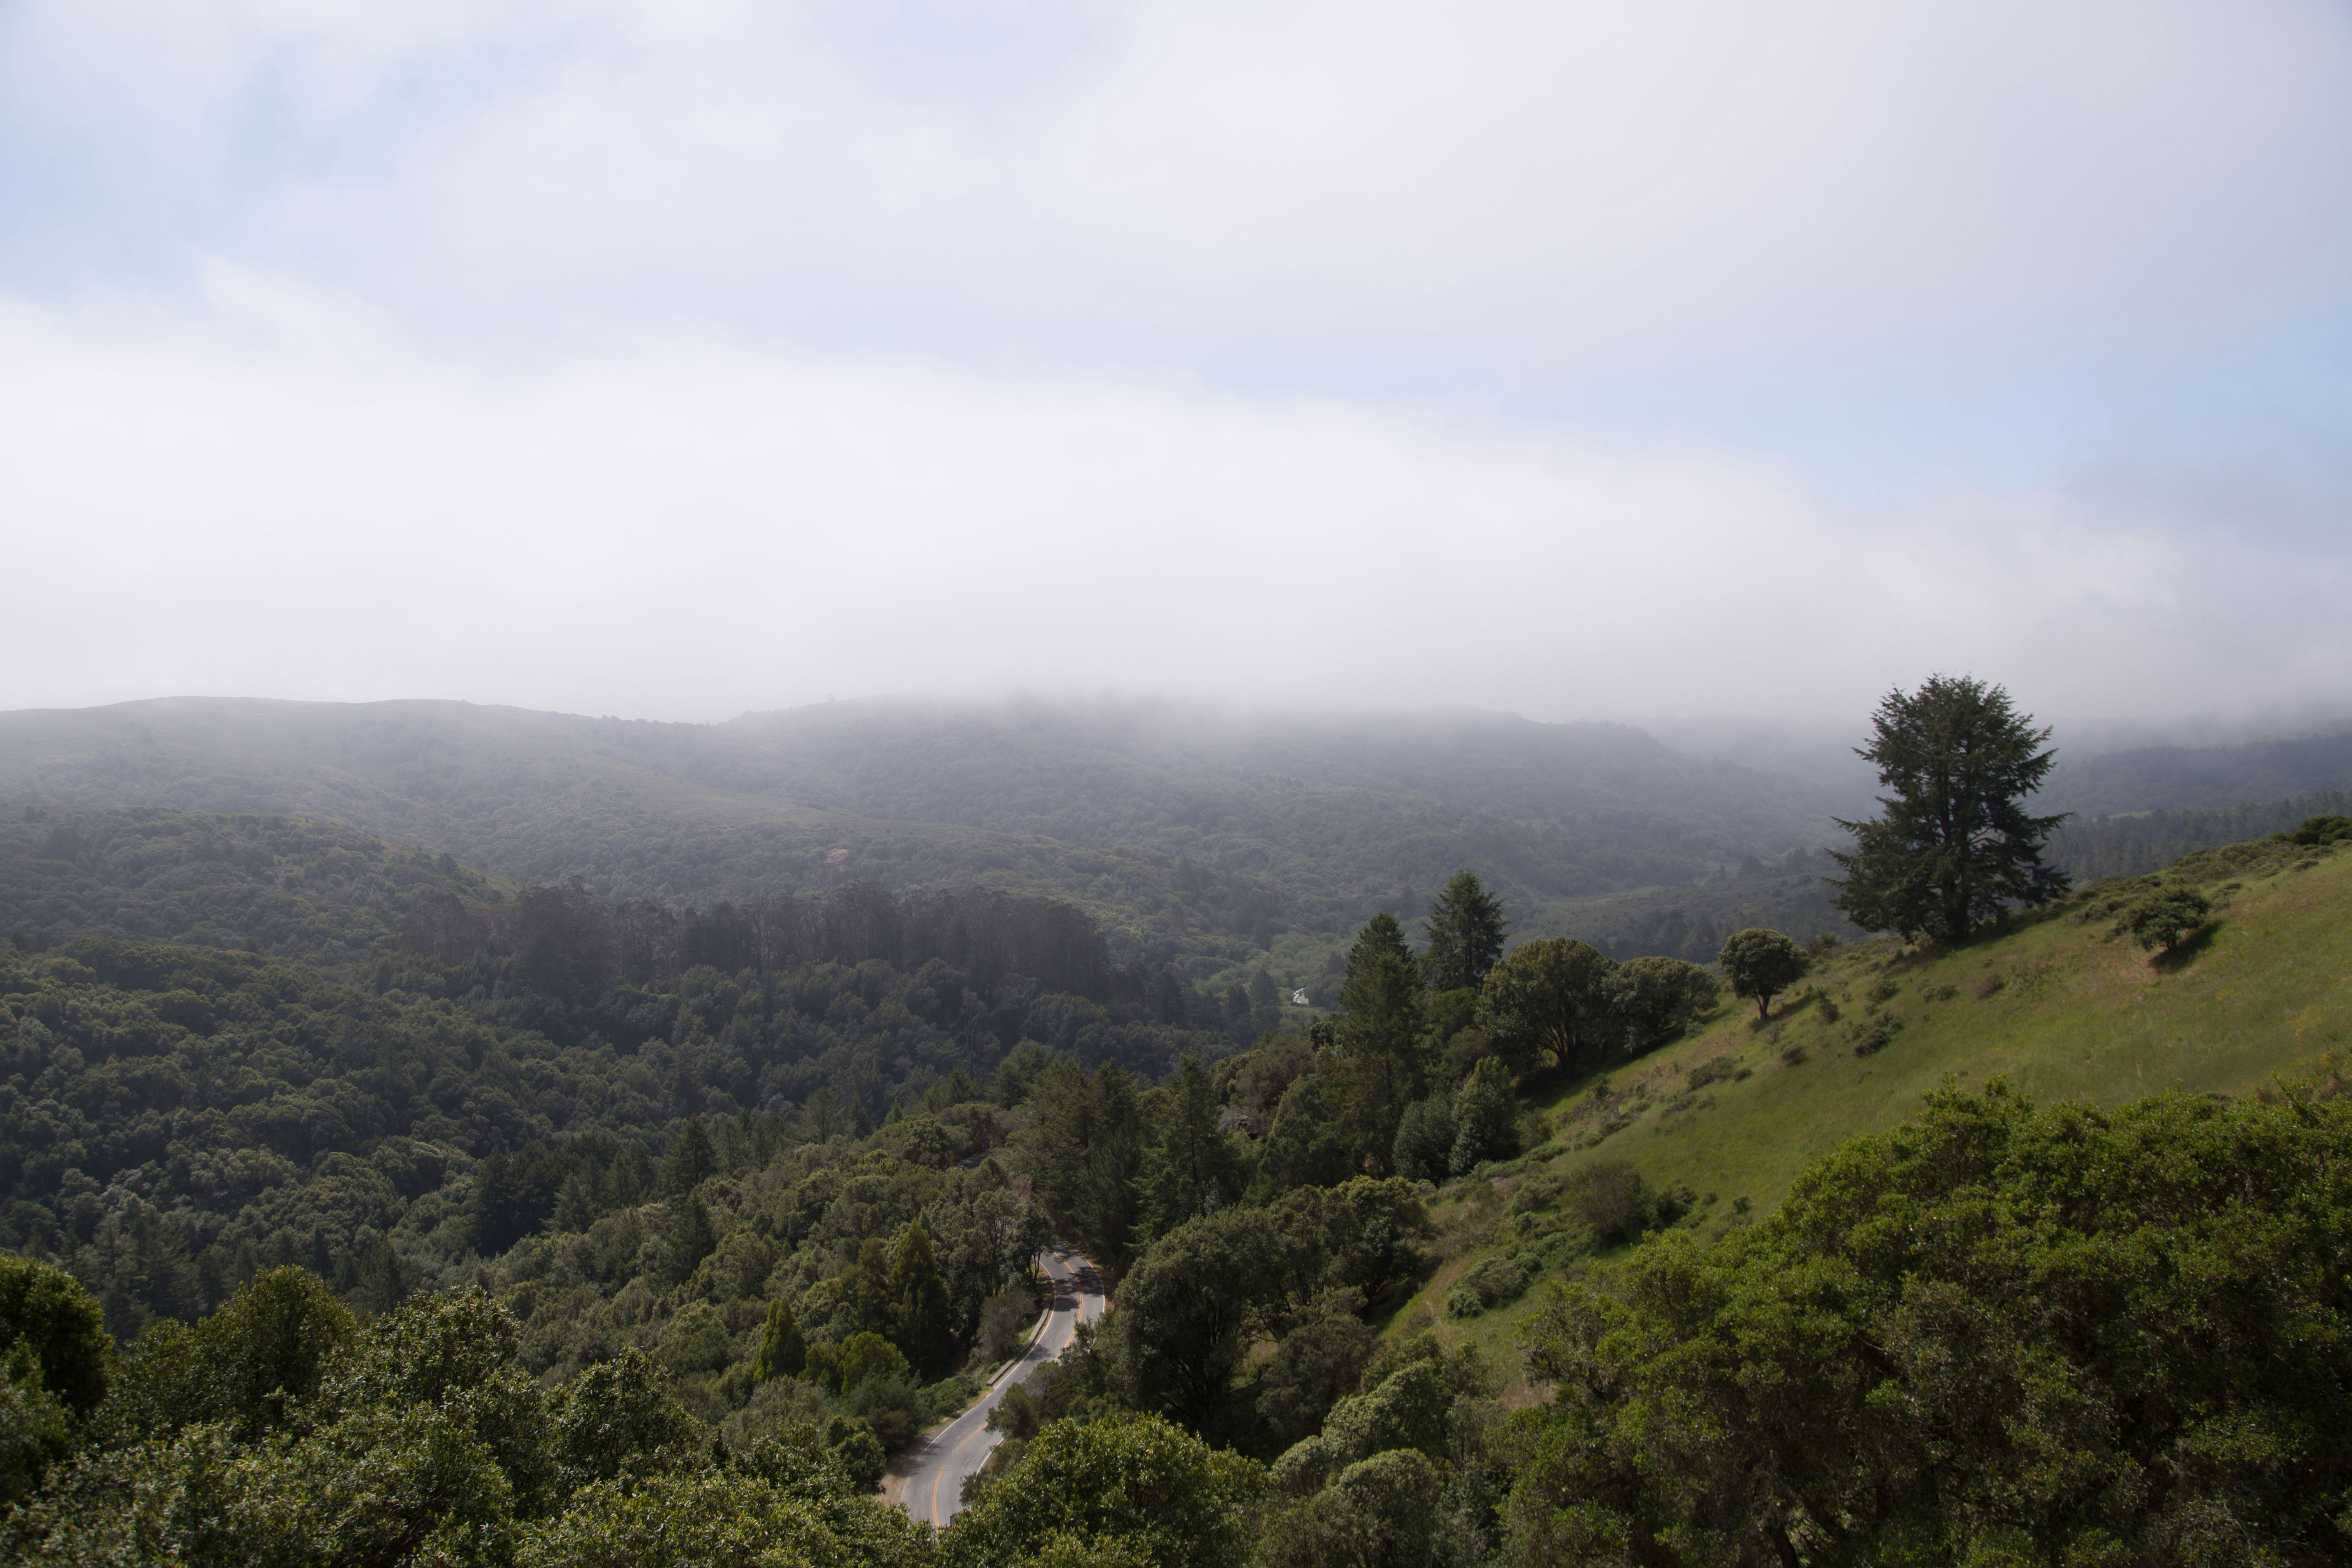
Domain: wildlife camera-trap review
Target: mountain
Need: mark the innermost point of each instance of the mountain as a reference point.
(283, 887)
(1214, 840)
(2202, 778)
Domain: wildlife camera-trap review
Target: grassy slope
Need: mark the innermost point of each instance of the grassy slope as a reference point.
(2079, 1014)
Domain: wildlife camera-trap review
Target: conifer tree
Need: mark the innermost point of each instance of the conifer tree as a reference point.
(1465, 929)
(1954, 845)
(1485, 1118)
(918, 1303)
(575, 1203)
(692, 1160)
(782, 1351)
(1379, 1037)
(1191, 1169)
(690, 1241)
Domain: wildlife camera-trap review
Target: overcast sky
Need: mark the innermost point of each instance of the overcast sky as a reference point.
(672, 359)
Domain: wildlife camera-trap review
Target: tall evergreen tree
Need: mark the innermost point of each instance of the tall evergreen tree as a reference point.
(782, 1351)
(1954, 845)
(690, 1241)
(1486, 1118)
(1191, 1169)
(918, 1303)
(1086, 1155)
(1465, 929)
(1378, 1038)
(691, 1162)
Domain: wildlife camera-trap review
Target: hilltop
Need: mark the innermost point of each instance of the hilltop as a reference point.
(1709, 1132)
(1189, 835)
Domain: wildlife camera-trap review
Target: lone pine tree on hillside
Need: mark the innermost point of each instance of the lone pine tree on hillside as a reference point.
(1467, 928)
(1954, 845)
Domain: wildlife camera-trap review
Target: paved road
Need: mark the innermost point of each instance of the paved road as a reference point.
(932, 1488)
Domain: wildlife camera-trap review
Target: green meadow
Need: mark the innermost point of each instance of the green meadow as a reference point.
(2061, 1006)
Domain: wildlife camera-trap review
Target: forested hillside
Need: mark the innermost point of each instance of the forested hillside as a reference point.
(588, 1249)
(2202, 778)
(282, 887)
(1212, 840)
(173, 1118)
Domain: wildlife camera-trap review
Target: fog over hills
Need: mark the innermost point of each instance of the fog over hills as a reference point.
(1192, 834)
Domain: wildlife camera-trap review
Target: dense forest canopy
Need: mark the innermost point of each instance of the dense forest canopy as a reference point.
(547, 1228)
(173, 1118)
(1218, 843)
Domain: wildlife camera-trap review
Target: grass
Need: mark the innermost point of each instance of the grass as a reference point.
(2059, 1006)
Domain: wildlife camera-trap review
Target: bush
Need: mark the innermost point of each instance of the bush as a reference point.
(1496, 1281)
(1876, 1036)
(1610, 1196)
(1905, 1350)
(1713, 1071)
(2167, 919)
(2321, 830)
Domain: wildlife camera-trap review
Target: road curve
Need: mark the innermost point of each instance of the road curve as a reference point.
(932, 1487)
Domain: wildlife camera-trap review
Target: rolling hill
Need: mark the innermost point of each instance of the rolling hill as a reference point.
(2062, 1007)
(1188, 835)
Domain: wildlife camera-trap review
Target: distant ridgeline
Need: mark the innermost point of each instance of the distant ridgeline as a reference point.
(285, 887)
(2133, 843)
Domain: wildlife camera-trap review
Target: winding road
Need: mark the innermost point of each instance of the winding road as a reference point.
(933, 1486)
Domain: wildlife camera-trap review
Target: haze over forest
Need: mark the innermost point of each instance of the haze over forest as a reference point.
(1007, 784)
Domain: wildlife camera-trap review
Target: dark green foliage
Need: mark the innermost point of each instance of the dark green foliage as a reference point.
(190, 1116)
(690, 1162)
(2164, 919)
(1185, 1305)
(1193, 1167)
(782, 1351)
(1424, 1139)
(863, 1357)
(1087, 1153)
(1311, 1142)
(1655, 999)
(1466, 928)
(617, 1418)
(1761, 964)
(1315, 1365)
(269, 1348)
(1376, 1045)
(2319, 830)
(1547, 1003)
(1380, 1512)
(1954, 845)
(732, 1518)
(690, 1240)
(44, 1310)
(289, 888)
(36, 1430)
(1486, 1118)
(918, 1304)
(2069, 1334)
(1141, 1488)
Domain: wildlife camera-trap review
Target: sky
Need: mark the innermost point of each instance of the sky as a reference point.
(672, 360)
